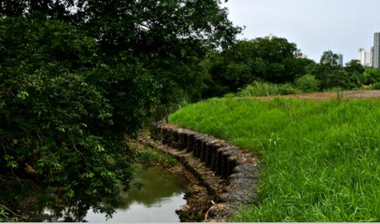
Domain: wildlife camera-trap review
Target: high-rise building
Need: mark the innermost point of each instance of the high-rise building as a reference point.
(367, 59)
(376, 51)
(270, 37)
(361, 56)
(364, 57)
(371, 60)
(339, 60)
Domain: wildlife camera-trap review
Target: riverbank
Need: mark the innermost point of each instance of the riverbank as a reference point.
(320, 159)
(198, 198)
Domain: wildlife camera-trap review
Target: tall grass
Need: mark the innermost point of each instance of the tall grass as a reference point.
(321, 159)
(267, 89)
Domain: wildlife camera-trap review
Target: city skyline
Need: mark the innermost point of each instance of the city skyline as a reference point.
(314, 25)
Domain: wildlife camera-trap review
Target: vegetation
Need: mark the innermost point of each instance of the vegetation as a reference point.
(257, 67)
(307, 83)
(5, 213)
(320, 158)
(264, 60)
(375, 86)
(59, 128)
(149, 157)
(371, 75)
(267, 89)
(76, 76)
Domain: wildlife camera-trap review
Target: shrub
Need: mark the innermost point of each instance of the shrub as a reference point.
(371, 75)
(307, 83)
(333, 89)
(259, 89)
(229, 95)
(376, 86)
(287, 88)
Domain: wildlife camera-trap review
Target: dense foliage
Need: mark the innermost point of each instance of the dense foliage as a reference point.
(307, 83)
(277, 61)
(77, 76)
(261, 59)
(371, 76)
(331, 74)
(324, 76)
(57, 124)
(320, 159)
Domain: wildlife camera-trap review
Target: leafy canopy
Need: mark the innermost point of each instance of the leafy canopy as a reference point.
(275, 61)
(76, 76)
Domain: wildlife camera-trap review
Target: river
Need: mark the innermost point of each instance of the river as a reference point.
(161, 195)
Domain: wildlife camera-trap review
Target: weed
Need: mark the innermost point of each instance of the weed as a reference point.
(149, 157)
(259, 89)
(267, 89)
(339, 96)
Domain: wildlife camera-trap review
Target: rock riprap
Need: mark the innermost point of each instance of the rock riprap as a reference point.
(230, 173)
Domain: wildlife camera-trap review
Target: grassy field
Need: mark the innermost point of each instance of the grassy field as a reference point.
(321, 159)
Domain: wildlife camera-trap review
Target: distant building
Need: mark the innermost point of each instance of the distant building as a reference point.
(371, 60)
(304, 56)
(361, 56)
(368, 59)
(270, 36)
(376, 51)
(339, 61)
(364, 57)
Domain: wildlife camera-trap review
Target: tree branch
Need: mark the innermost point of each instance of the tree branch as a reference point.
(14, 214)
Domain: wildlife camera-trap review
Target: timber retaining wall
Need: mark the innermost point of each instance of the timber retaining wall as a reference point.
(237, 169)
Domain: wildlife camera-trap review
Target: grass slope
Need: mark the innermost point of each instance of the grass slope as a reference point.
(320, 158)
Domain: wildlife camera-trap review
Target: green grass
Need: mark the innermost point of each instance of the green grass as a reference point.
(267, 89)
(321, 159)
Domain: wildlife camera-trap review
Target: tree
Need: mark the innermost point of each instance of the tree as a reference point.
(371, 75)
(73, 83)
(331, 75)
(307, 83)
(329, 58)
(273, 61)
(340, 78)
(168, 37)
(355, 70)
(354, 67)
(57, 124)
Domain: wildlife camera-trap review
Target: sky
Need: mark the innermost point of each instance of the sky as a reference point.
(342, 26)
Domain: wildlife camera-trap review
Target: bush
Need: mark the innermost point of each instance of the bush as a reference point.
(267, 89)
(376, 86)
(229, 95)
(307, 83)
(286, 89)
(371, 75)
(333, 89)
(259, 89)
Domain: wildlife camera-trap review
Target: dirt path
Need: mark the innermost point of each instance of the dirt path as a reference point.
(361, 94)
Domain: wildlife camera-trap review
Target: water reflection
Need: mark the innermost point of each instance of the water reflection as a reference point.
(160, 212)
(161, 195)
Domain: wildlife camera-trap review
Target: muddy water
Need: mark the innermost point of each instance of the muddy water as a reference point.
(162, 194)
